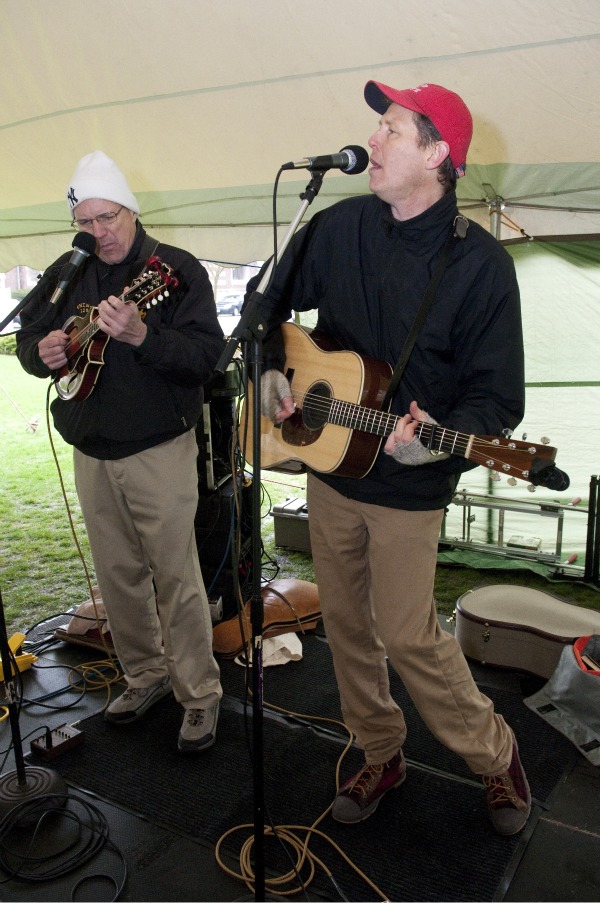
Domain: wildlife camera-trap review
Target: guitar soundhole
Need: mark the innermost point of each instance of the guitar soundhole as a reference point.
(316, 407)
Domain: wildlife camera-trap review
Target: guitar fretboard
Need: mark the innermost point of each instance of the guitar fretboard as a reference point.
(381, 423)
(147, 284)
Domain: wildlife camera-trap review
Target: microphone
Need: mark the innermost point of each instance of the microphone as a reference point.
(84, 244)
(351, 160)
(547, 474)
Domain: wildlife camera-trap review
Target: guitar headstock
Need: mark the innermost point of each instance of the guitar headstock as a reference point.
(519, 460)
(152, 285)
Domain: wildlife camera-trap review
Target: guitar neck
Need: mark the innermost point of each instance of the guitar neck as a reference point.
(380, 423)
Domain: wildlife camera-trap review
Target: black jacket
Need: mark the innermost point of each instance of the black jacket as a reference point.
(366, 274)
(146, 395)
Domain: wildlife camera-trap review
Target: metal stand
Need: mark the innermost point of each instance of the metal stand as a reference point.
(592, 553)
(23, 784)
(250, 331)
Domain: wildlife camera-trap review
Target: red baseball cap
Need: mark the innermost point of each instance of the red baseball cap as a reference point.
(447, 111)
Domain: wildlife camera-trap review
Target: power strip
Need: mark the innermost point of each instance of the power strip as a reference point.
(54, 743)
(216, 609)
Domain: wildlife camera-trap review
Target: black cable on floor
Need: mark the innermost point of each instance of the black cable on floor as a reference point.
(20, 837)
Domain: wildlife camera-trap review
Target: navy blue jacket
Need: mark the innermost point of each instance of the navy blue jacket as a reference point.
(366, 274)
(146, 395)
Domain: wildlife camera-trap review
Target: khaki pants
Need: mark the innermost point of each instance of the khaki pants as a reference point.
(139, 513)
(375, 571)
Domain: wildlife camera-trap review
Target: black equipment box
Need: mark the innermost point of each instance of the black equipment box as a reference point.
(291, 525)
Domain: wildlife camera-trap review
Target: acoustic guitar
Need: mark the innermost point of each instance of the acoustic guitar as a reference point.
(338, 426)
(85, 348)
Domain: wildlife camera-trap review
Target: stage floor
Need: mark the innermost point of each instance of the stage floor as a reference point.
(558, 859)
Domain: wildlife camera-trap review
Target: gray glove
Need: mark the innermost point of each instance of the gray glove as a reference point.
(273, 387)
(415, 452)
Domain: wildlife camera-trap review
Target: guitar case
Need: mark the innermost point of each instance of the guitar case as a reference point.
(519, 628)
(289, 606)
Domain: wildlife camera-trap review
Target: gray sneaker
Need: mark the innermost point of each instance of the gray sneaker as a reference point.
(136, 701)
(199, 729)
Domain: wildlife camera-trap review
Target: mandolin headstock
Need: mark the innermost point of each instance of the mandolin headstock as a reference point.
(152, 285)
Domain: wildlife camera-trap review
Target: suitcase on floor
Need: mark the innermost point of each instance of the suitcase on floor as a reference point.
(518, 627)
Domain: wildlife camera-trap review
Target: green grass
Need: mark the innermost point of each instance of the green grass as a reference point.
(41, 572)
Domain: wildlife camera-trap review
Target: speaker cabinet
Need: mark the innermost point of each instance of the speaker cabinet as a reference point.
(216, 526)
(226, 564)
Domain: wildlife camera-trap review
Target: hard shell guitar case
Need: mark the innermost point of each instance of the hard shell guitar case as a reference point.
(520, 628)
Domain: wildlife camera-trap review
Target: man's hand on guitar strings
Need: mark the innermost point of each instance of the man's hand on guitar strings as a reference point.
(403, 446)
(121, 321)
(276, 398)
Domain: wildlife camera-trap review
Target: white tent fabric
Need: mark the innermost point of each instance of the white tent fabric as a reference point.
(200, 102)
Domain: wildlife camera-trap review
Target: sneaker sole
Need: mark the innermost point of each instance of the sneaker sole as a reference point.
(128, 718)
(188, 746)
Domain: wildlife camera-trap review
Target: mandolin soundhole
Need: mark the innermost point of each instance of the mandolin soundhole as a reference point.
(317, 405)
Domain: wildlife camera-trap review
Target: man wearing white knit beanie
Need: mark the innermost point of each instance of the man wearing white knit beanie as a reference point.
(134, 442)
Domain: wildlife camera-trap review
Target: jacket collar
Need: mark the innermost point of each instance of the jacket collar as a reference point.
(428, 227)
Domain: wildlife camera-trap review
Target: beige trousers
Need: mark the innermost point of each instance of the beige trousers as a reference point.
(139, 513)
(375, 571)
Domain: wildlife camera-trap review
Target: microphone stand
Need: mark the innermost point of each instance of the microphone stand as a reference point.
(41, 283)
(250, 331)
(16, 310)
(23, 784)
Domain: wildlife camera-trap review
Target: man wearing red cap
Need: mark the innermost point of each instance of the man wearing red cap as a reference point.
(367, 264)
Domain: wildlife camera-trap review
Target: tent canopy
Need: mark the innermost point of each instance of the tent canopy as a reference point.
(200, 102)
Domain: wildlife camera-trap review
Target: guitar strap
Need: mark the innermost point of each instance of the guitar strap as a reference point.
(459, 231)
(148, 250)
(149, 247)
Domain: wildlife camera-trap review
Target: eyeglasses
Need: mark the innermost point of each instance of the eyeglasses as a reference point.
(103, 219)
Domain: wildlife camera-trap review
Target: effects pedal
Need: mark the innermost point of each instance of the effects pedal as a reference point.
(57, 741)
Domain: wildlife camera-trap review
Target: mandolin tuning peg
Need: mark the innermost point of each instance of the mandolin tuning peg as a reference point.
(544, 440)
(511, 481)
(530, 487)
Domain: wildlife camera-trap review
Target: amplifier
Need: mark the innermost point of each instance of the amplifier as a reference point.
(290, 520)
(216, 523)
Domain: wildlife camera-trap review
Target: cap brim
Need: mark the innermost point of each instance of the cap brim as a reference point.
(380, 96)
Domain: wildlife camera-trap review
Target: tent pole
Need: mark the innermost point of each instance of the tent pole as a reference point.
(495, 204)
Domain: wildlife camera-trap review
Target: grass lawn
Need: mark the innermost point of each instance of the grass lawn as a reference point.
(44, 554)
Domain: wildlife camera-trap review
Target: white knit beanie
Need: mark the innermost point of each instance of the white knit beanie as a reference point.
(97, 176)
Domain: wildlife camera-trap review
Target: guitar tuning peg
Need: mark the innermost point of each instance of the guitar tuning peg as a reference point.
(544, 440)
(531, 487)
(495, 476)
(511, 481)
(524, 437)
(507, 433)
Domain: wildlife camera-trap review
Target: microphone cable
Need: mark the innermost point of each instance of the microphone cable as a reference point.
(20, 831)
(289, 834)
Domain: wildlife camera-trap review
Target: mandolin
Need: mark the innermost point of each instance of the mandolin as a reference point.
(85, 348)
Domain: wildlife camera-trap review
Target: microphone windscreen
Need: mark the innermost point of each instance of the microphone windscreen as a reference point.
(85, 242)
(359, 159)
